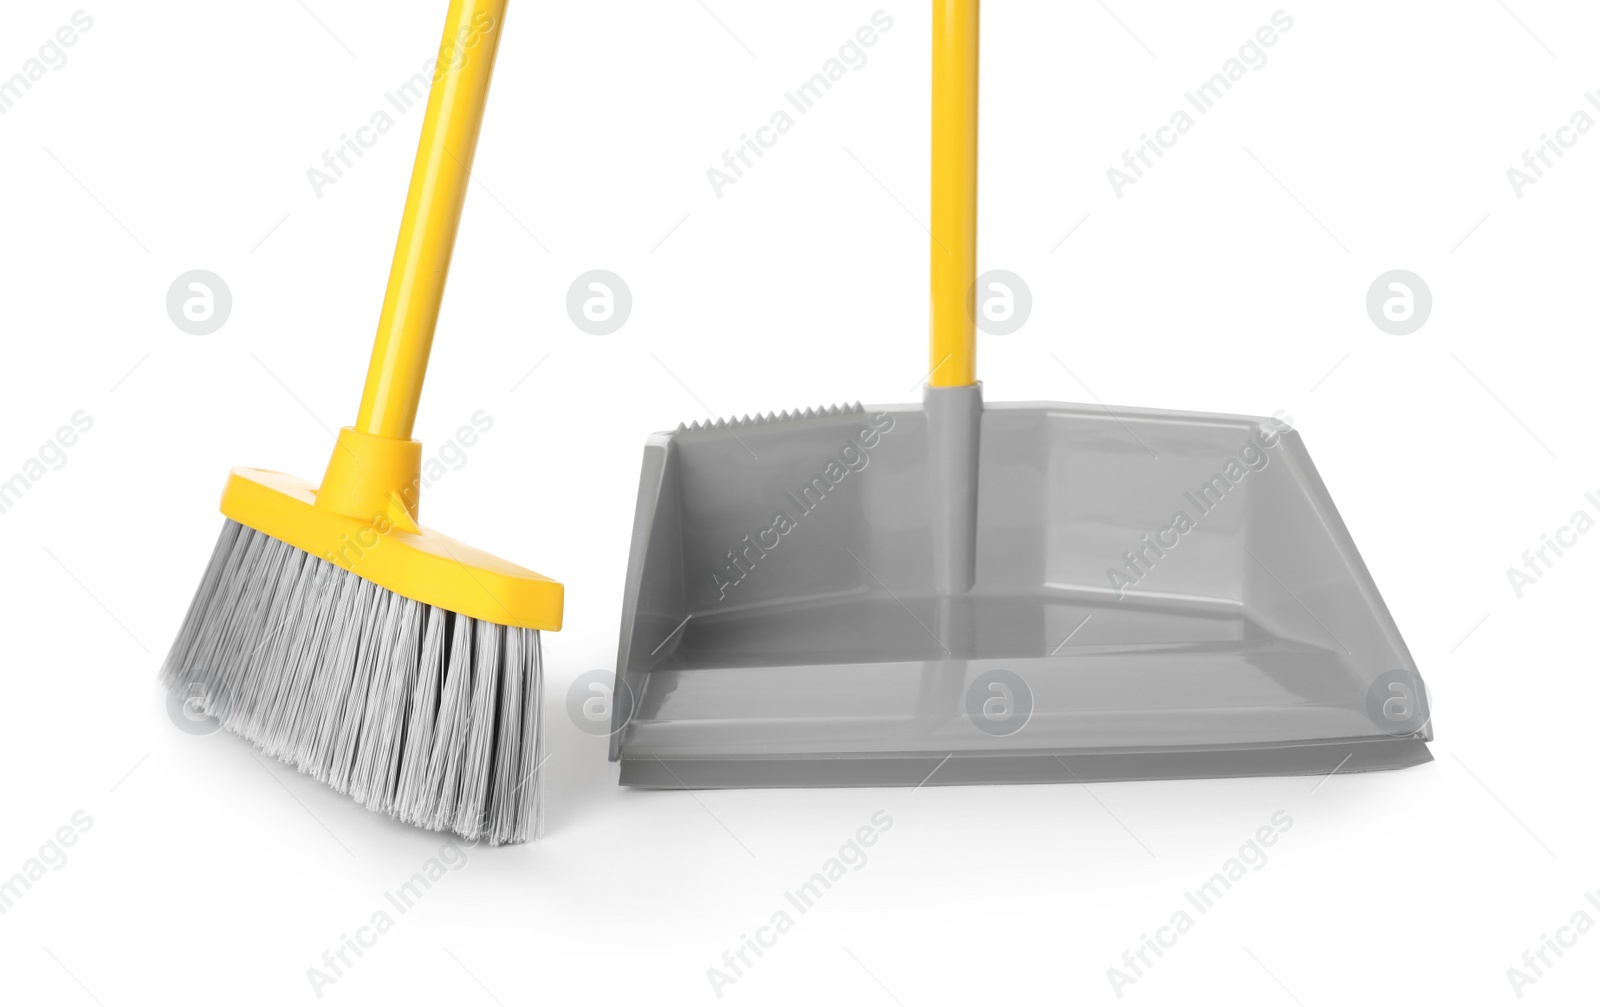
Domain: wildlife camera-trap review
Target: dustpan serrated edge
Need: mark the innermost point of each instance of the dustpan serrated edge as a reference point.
(787, 416)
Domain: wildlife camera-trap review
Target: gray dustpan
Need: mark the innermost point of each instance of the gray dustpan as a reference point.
(958, 593)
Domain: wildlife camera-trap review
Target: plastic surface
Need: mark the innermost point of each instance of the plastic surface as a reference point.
(439, 180)
(953, 213)
(376, 479)
(784, 623)
(422, 565)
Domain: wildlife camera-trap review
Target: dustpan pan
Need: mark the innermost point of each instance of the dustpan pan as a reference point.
(955, 592)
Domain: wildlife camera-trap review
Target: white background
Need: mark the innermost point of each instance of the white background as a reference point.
(1232, 278)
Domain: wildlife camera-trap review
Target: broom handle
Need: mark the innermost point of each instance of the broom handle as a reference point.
(433, 210)
(953, 252)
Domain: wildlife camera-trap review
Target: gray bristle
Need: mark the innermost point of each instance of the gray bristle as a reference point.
(428, 715)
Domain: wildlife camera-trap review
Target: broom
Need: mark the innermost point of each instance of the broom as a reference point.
(393, 663)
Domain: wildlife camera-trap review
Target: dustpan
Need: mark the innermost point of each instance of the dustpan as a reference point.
(956, 592)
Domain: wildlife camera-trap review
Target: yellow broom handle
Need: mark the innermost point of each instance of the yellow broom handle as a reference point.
(953, 253)
(433, 210)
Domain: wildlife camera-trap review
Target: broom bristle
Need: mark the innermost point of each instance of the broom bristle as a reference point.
(425, 714)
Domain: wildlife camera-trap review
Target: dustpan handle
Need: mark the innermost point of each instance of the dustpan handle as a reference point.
(439, 182)
(953, 252)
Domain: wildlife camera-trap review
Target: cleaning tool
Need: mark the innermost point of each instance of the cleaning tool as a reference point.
(395, 664)
(959, 593)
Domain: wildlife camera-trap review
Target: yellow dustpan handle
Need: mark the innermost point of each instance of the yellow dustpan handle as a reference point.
(433, 210)
(953, 252)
